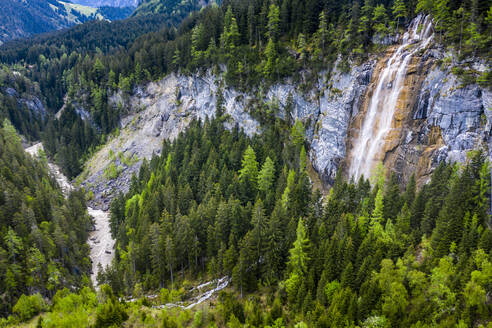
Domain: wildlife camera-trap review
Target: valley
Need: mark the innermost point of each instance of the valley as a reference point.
(100, 240)
(291, 163)
(22, 19)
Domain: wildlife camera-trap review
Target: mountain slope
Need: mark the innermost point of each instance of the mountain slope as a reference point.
(175, 10)
(223, 118)
(42, 234)
(108, 3)
(24, 18)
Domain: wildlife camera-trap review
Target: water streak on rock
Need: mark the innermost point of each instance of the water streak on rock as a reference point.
(383, 103)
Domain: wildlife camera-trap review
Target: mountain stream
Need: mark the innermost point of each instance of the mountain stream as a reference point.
(100, 240)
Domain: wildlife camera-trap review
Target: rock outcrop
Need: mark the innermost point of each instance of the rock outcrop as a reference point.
(31, 101)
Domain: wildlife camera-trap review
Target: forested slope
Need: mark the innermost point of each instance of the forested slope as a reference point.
(174, 10)
(42, 235)
(219, 203)
(36, 69)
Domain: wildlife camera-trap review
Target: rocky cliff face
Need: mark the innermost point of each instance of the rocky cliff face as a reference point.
(438, 118)
(31, 101)
(162, 109)
(159, 111)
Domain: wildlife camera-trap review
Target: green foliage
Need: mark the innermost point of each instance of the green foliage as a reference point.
(297, 133)
(110, 314)
(42, 234)
(298, 259)
(366, 256)
(380, 19)
(266, 176)
(249, 170)
(28, 306)
(399, 10)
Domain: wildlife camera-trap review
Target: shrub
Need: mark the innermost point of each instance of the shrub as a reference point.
(111, 313)
(28, 306)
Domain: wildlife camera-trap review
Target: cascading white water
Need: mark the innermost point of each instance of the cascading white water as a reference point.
(382, 105)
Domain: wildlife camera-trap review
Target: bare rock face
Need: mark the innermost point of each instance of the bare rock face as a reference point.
(458, 111)
(31, 101)
(159, 111)
(445, 119)
(326, 113)
(339, 102)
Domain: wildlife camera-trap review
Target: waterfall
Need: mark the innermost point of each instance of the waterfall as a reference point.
(383, 103)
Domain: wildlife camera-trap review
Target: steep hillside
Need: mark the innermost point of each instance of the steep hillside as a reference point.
(25, 18)
(42, 234)
(115, 13)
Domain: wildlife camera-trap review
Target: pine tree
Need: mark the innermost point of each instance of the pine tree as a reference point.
(157, 252)
(14, 244)
(297, 133)
(424, 6)
(230, 35)
(302, 159)
(196, 36)
(441, 14)
(380, 19)
(176, 61)
(399, 11)
(170, 252)
(266, 176)
(275, 243)
(259, 223)
(299, 258)
(392, 201)
(269, 66)
(273, 22)
(322, 31)
(251, 24)
(249, 170)
(286, 196)
(377, 213)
